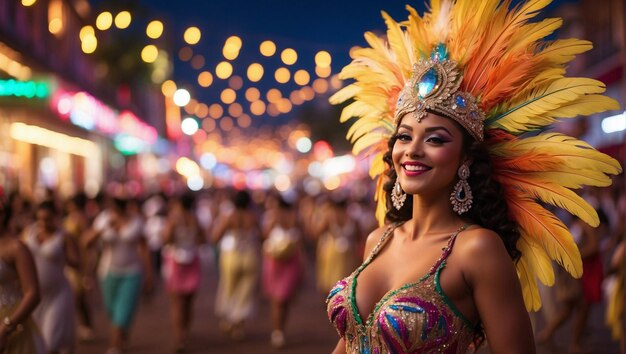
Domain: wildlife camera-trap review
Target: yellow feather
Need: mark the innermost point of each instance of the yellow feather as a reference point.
(368, 140)
(378, 165)
(552, 193)
(571, 152)
(532, 32)
(363, 126)
(536, 258)
(535, 110)
(563, 51)
(548, 231)
(532, 300)
(381, 205)
(397, 42)
(571, 178)
(358, 109)
(345, 94)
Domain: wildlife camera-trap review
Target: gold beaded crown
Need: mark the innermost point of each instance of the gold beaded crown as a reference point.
(487, 65)
(434, 86)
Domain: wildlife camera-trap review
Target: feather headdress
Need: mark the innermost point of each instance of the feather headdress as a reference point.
(517, 81)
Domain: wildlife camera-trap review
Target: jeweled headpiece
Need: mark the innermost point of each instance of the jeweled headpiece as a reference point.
(487, 66)
(434, 86)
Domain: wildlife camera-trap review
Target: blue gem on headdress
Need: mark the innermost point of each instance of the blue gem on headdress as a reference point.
(474, 115)
(460, 101)
(427, 83)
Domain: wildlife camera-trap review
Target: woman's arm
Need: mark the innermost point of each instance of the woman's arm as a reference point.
(221, 227)
(29, 283)
(490, 274)
(340, 348)
(72, 252)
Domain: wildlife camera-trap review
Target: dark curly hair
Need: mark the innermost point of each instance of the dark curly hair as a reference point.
(489, 208)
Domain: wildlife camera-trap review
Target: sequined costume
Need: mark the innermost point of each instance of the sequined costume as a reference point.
(25, 339)
(415, 318)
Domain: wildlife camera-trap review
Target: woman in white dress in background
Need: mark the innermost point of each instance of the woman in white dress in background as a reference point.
(52, 251)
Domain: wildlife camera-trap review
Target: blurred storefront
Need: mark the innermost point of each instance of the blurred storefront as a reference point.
(63, 125)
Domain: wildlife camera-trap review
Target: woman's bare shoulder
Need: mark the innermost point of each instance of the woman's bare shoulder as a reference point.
(373, 238)
(482, 251)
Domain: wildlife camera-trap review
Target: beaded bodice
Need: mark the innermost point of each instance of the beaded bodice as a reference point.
(415, 318)
(10, 291)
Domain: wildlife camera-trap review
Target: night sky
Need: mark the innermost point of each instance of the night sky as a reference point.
(306, 26)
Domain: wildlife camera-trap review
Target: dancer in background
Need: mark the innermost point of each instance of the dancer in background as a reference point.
(19, 294)
(182, 237)
(75, 226)
(52, 251)
(238, 237)
(124, 264)
(283, 266)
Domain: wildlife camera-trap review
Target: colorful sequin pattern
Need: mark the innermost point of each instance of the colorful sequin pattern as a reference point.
(415, 318)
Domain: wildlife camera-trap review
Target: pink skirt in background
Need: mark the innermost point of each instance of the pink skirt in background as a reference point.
(282, 278)
(181, 278)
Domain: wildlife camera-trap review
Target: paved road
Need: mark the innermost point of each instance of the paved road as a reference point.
(308, 329)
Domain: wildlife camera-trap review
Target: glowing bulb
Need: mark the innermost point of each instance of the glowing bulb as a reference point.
(154, 29)
(181, 97)
(123, 19)
(192, 35)
(267, 48)
(149, 53)
(104, 21)
(223, 70)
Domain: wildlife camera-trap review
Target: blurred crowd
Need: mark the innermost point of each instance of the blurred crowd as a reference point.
(124, 249)
(120, 248)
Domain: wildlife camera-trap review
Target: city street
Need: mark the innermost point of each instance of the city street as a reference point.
(308, 328)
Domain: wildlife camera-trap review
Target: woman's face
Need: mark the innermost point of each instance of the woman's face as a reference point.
(427, 154)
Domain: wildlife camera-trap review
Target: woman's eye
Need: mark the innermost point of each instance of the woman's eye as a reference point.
(435, 140)
(403, 137)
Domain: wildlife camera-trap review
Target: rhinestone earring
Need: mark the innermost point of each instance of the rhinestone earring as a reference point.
(461, 197)
(398, 197)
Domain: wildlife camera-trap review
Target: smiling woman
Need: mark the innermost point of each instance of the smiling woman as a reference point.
(453, 118)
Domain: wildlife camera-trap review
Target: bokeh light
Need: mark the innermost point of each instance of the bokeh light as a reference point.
(257, 108)
(223, 70)
(255, 72)
(253, 94)
(192, 35)
(282, 75)
(123, 20)
(197, 62)
(267, 48)
(301, 77)
(289, 56)
(273, 95)
(185, 53)
(216, 110)
(323, 72)
(189, 126)
(104, 21)
(235, 109)
(149, 53)
(323, 59)
(205, 79)
(181, 97)
(154, 29)
(235, 82)
(168, 88)
(228, 96)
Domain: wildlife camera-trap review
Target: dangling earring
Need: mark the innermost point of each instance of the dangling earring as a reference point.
(461, 197)
(397, 196)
